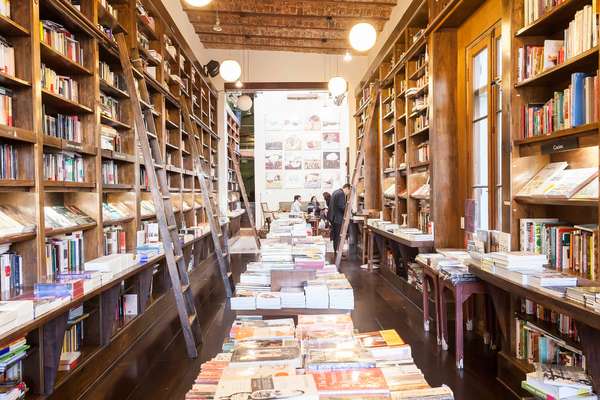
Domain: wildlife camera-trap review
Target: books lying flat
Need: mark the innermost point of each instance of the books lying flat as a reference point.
(520, 260)
(13, 221)
(385, 345)
(535, 187)
(263, 329)
(265, 356)
(298, 387)
(338, 359)
(366, 381)
(568, 182)
(249, 371)
(243, 300)
(337, 319)
(437, 393)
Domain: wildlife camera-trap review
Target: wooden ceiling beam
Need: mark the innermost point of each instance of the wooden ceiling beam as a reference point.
(272, 47)
(317, 8)
(259, 31)
(274, 41)
(281, 21)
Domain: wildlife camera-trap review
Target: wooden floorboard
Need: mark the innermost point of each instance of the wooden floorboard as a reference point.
(378, 306)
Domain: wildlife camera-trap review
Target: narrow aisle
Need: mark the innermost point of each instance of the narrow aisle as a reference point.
(378, 305)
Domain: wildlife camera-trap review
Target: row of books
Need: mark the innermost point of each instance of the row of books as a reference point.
(580, 36)
(110, 139)
(65, 253)
(321, 358)
(62, 126)
(423, 152)
(64, 166)
(576, 105)
(115, 210)
(73, 340)
(67, 216)
(7, 57)
(536, 345)
(557, 181)
(450, 265)
(564, 324)
(12, 273)
(288, 226)
(113, 78)
(61, 85)
(534, 9)
(60, 39)
(11, 367)
(6, 106)
(110, 107)
(110, 172)
(115, 240)
(571, 248)
(9, 163)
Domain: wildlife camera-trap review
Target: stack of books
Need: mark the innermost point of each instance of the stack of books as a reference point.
(320, 358)
(403, 232)
(11, 369)
(588, 296)
(558, 382)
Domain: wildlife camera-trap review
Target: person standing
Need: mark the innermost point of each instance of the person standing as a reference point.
(297, 205)
(335, 214)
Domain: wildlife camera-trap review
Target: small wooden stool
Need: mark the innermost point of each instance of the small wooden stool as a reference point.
(431, 283)
(461, 292)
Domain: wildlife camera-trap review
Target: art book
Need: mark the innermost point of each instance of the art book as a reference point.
(365, 381)
(298, 387)
(277, 355)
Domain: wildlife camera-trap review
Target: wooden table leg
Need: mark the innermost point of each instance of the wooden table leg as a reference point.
(443, 318)
(458, 329)
(426, 287)
(371, 245)
(438, 310)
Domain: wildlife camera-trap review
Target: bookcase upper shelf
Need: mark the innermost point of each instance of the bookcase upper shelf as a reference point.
(556, 19)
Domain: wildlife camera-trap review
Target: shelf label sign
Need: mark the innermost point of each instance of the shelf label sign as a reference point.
(560, 145)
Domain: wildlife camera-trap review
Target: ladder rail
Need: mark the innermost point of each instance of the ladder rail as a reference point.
(213, 219)
(355, 174)
(164, 211)
(238, 173)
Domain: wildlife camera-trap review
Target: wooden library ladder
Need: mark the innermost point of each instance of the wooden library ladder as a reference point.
(157, 178)
(238, 174)
(210, 205)
(374, 95)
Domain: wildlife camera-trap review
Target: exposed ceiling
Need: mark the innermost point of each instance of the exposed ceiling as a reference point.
(319, 26)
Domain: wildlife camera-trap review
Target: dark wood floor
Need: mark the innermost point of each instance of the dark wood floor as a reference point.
(378, 306)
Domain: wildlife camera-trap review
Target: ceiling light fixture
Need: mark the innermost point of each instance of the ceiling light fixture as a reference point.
(198, 3)
(362, 36)
(347, 56)
(244, 103)
(230, 70)
(337, 86)
(217, 26)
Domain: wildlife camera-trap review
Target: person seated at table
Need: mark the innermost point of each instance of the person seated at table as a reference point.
(297, 204)
(314, 207)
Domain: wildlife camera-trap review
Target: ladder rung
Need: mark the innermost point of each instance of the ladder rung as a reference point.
(192, 318)
(172, 227)
(166, 197)
(159, 166)
(177, 258)
(185, 288)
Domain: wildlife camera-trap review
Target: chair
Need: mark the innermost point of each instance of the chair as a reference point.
(268, 215)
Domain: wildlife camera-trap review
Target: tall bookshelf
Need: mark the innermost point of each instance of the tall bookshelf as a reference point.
(108, 168)
(233, 137)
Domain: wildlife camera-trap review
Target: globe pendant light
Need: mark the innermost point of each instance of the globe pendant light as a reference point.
(198, 3)
(244, 103)
(362, 36)
(347, 56)
(337, 86)
(230, 70)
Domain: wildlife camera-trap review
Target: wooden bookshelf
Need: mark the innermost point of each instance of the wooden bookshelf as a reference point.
(232, 125)
(174, 76)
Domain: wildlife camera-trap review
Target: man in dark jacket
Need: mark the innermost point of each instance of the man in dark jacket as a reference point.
(335, 214)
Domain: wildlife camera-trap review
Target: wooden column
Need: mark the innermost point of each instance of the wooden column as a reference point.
(372, 165)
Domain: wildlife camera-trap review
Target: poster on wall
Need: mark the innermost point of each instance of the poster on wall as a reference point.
(293, 180)
(331, 160)
(273, 160)
(274, 180)
(293, 142)
(330, 179)
(312, 159)
(312, 141)
(313, 123)
(331, 141)
(330, 119)
(273, 142)
(293, 160)
(312, 180)
(274, 121)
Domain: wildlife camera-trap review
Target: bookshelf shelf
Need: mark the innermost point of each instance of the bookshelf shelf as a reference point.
(9, 27)
(20, 237)
(419, 72)
(586, 61)
(106, 19)
(111, 90)
(586, 129)
(420, 131)
(56, 60)
(557, 202)
(107, 187)
(420, 164)
(119, 221)
(13, 82)
(63, 103)
(557, 18)
(113, 122)
(23, 135)
(549, 328)
(62, 231)
(21, 183)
